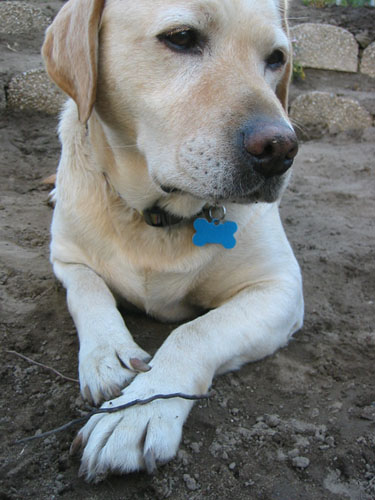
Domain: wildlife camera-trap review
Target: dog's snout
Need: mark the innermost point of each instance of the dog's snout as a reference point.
(271, 147)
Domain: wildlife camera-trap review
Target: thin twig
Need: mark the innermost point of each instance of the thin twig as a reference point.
(114, 409)
(43, 366)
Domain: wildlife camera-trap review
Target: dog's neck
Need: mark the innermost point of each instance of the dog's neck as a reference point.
(125, 169)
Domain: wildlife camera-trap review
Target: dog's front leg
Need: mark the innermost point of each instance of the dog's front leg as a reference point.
(108, 355)
(251, 325)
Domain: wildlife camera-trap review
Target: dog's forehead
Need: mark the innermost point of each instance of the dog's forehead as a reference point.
(159, 14)
(211, 10)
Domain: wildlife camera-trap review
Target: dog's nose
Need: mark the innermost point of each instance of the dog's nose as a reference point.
(271, 146)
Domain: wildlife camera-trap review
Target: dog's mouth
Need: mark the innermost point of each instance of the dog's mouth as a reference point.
(265, 190)
(170, 189)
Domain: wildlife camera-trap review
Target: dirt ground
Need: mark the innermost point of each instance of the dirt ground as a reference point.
(298, 425)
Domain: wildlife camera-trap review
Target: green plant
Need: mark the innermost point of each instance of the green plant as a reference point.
(298, 72)
(319, 3)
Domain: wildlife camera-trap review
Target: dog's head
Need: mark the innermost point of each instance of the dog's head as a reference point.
(199, 85)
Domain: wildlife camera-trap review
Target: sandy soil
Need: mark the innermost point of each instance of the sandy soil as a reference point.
(298, 425)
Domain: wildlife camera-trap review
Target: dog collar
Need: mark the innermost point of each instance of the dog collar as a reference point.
(157, 217)
(209, 225)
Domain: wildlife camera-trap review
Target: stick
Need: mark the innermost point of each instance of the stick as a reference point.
(43, 366)
(135, 402)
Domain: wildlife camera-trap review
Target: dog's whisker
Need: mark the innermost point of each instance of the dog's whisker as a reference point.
(297, 18)
(299, 126)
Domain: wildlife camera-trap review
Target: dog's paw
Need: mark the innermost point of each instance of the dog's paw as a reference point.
(106, 370)
(133, 439)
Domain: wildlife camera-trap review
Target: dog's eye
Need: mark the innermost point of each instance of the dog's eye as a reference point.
(276, 59)
(183, 40)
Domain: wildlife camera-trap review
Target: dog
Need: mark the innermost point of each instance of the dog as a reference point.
(176, 148)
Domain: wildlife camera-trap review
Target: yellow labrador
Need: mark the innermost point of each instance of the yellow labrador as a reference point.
(176, 148)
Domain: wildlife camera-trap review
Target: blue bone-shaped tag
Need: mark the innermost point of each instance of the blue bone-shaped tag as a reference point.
(214, 232)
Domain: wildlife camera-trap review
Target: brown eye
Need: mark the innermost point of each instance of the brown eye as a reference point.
(184, 40)
(276, 59)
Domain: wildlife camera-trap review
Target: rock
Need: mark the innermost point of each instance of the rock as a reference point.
(272, 420)
(215, 449)
(365, 99)
(247, 434)
(191, 483)
(302, 442)
(19, 18)
(293, 453)
(330, 440)
(324, 46)
(300, 462)
(183, 457)
(300, 427)
(163, 488)
(368, 61)
(33, 90)
(363, 38)
(315, 412)
(368, 412)
(317, 113)
(195, 447)
(320, 433)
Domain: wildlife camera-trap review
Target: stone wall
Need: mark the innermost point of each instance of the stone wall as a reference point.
(333, 60)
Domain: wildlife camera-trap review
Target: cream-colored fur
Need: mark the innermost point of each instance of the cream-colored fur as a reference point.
(143, 116)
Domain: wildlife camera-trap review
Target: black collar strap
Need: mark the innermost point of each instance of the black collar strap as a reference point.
(158, 217)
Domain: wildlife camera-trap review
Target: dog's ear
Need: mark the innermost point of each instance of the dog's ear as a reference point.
(283, 86)
(70, 51)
